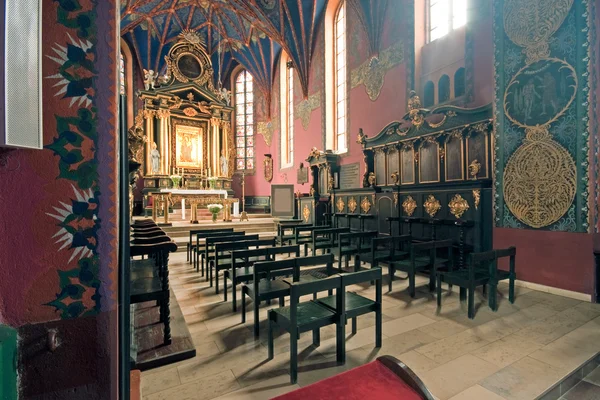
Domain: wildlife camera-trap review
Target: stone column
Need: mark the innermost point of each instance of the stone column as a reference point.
(149, 131)
(164, 138)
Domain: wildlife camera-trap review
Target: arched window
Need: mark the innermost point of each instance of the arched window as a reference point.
(444, 89)
(341, 137)
(459, 83)
(287, 111)
(429, 94)
(122, 79)
(244, 121)
(445, 16)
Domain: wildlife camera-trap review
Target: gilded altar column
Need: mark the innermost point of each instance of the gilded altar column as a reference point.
(164, 147)
(229, 148)
(215, 152)
(149, 131)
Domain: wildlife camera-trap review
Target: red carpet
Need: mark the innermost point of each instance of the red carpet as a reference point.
(370, 381)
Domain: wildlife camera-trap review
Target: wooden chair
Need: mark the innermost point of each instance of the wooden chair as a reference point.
(325, 239)
(309, 316)
(477, 272)
(222, 260)
(191, 246)
(211, 239)
(354, 244)
(419, 262)
(288, 225)
(497, 275)
(388, 248)
(150, 279)
(264, 288)
(355, 304)
(200, 248)
(302, 238)
(242, 262)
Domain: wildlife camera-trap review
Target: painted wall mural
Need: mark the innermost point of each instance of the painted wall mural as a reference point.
(542, 100)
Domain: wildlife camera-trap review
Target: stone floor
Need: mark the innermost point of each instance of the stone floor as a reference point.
(515, 353)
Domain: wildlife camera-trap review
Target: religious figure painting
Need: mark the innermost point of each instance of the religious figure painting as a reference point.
(188, 145)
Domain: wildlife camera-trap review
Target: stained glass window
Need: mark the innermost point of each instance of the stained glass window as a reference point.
(446, 15)
(122, 75)
(244, 120)
(340, 79)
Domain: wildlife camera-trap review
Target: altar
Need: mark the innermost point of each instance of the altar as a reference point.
(201, 197)
(182, 134)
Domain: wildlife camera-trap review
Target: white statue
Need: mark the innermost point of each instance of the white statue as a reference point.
(150, 79)
(225, 95)
(155, 155)
(224, 164)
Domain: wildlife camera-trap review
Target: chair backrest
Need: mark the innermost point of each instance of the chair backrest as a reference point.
(148, 234)
(213, 230)
(314, 261)
(268, 269)
(390, 242)
(331, 233)
(151, 240)
(150, 249)
(233, 237)
(359, 237)
(274, 251)
(245, 254)
(299, 289)
(366, 275)
(206, 235)
(243, 244)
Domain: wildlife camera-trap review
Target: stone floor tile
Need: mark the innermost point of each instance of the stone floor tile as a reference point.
(402, 343)
(405, 324)
(447, 349)
(457, 375)
(477, 393)
(506, 351)
(558, 303)
(523, 380)
(262, 390)
(204, 388)
(417, 362)
(443, 329)
(566, 354)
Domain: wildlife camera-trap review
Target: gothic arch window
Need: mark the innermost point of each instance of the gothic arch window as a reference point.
(244, 121)
(429, 94)
(444, 89)
(459, 83)
(341, 136)
(445, 16)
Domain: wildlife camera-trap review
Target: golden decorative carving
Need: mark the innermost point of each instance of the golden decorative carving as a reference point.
(340, 205)
(474, 168)
(136, 139)
(415, 110)
(352, 204)
(314, 153)
(432, 205)
(530, 24)
(176, 102)
(540, 181)
(163, 114)
(361, 138)
(365, 205)
(409, 205)
(305, 108)
(458, 206)
(396, 199)
(306, 212)
(190, 50)
(372, 72)
(395, 177)
(372, 179)
(190, 112)
(149, 114)
(477, 197)
(312, 190)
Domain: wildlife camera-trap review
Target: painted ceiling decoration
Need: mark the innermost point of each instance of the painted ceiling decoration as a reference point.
(371, 14)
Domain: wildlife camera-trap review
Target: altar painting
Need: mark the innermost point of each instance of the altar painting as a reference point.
(188, 146)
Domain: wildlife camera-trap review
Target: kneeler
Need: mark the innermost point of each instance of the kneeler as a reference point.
(386, 378)
(309, 316)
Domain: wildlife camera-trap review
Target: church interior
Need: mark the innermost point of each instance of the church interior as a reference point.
(336, 199)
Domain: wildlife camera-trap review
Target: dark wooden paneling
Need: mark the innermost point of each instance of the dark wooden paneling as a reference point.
(476, 150)
(454, 156)
(408, 166)
(385, 208)
(429, 163)
(380, 173)
(393, 165)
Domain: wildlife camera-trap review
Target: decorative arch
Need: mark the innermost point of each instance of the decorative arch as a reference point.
(444, 89)
(429, 94)
(459, 83)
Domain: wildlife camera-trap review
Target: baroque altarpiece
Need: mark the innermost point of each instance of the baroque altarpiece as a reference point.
(185, 122)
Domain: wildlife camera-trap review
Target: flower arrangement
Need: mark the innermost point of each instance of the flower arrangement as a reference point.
(212, 181)
(214, 210)
(176, 179)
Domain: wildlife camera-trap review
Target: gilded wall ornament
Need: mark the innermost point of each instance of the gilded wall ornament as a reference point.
(531, 24)
(306, 213)
(305, 108)
(266, 128)
(372, 72)
(352, 204)
(396, 199)
(458, 206)
(372, 179)
(190, 112)
(432, 205)
(540, 181)
(340, 205)
(365, 205)
(409, 205)
(476, 197)
(474, 168)
(395, 177)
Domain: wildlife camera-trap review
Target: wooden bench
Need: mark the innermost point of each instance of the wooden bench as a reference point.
(191, 246)
(257, 204)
